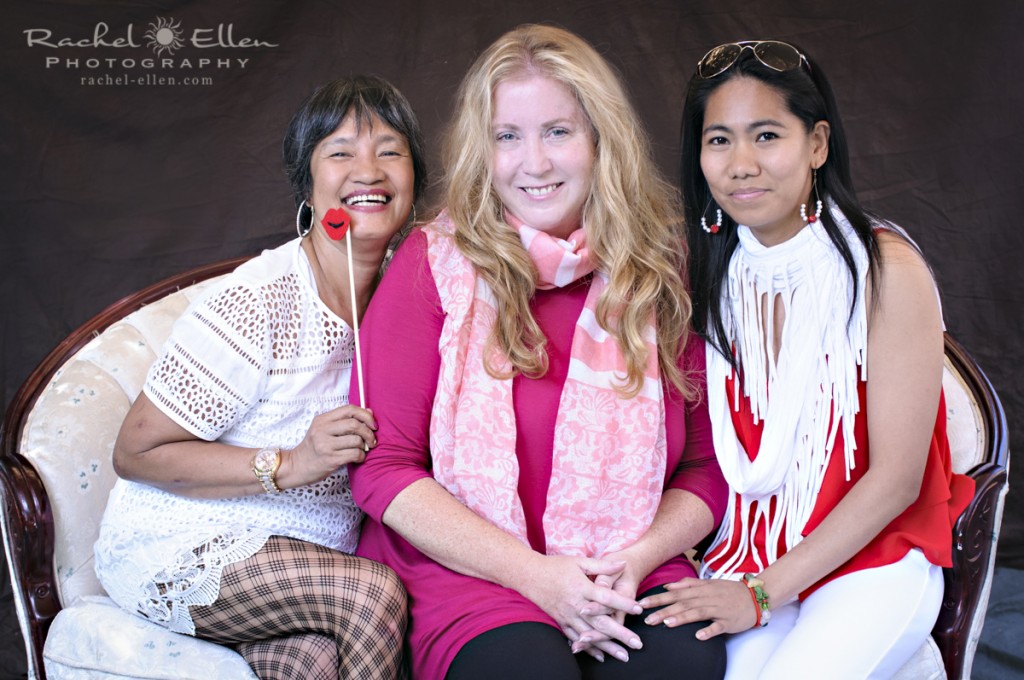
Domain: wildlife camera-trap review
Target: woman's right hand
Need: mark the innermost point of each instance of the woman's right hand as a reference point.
(335, 438)
(726, 603)
(562, 587)
(445, 530)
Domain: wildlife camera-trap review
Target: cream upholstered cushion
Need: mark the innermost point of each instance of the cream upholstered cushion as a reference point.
(69, 437)
(95, 639)
(966, 432)
(964, 425)
(926, 664)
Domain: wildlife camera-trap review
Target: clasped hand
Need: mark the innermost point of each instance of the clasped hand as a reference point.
(590, 611)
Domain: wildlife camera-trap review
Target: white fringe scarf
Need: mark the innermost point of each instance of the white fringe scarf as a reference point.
(804, 396)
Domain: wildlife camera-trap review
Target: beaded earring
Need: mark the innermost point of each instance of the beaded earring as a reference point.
(811, 219)
(712, 229)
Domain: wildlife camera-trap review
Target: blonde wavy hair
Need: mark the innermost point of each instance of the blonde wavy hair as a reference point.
(632, 216)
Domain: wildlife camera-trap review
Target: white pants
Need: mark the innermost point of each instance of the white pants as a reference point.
(863, 625)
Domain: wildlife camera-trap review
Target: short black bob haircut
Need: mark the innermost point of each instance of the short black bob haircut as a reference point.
(365, 97)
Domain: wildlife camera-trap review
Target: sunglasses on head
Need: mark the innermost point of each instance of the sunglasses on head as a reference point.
(775, 55)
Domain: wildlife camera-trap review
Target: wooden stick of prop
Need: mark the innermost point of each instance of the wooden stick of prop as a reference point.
(337, 223)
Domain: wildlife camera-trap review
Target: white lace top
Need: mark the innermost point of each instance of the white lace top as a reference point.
(250, 364)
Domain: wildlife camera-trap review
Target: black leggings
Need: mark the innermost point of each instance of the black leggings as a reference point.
(537, 651)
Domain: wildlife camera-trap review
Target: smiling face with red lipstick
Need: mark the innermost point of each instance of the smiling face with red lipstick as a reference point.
(542, 153)
(365, 168)
(758, 157)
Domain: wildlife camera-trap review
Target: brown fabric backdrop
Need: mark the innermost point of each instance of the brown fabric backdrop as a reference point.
(112, 179)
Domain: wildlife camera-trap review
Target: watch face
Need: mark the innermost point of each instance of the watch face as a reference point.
(265, 460)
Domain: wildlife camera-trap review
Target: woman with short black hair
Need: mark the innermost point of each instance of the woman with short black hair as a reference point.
(233, 519)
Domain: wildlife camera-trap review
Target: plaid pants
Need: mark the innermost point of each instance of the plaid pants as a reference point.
(299, 610)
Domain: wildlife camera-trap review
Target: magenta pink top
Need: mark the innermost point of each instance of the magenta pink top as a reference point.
(399, 340)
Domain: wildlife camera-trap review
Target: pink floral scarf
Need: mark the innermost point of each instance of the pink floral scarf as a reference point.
(609, 453)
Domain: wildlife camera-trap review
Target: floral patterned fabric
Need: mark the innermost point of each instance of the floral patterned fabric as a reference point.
(608, 465)
(68, 437)
(95, 639)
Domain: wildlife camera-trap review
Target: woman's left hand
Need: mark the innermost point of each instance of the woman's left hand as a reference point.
(564, 586)
(727, 604)
(608, 624)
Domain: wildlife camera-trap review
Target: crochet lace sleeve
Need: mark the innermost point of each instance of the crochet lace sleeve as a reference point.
(214, 364)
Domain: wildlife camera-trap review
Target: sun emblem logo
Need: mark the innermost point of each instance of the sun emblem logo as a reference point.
(164, 35)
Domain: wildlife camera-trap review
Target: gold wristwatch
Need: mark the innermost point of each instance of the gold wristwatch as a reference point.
(264, 465)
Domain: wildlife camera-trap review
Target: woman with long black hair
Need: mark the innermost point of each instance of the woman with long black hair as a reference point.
(841, 494)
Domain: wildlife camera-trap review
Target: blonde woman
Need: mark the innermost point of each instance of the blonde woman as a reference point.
(544, 455)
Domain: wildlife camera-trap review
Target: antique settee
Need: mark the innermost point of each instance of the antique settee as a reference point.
(56, 472)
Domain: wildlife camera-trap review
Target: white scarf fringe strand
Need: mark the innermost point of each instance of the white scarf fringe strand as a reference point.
(804, 396)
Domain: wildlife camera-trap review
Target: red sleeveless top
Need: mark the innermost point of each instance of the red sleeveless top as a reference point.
(926, 524)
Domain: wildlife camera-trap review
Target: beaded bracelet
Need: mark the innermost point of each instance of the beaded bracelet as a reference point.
(760, 598)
